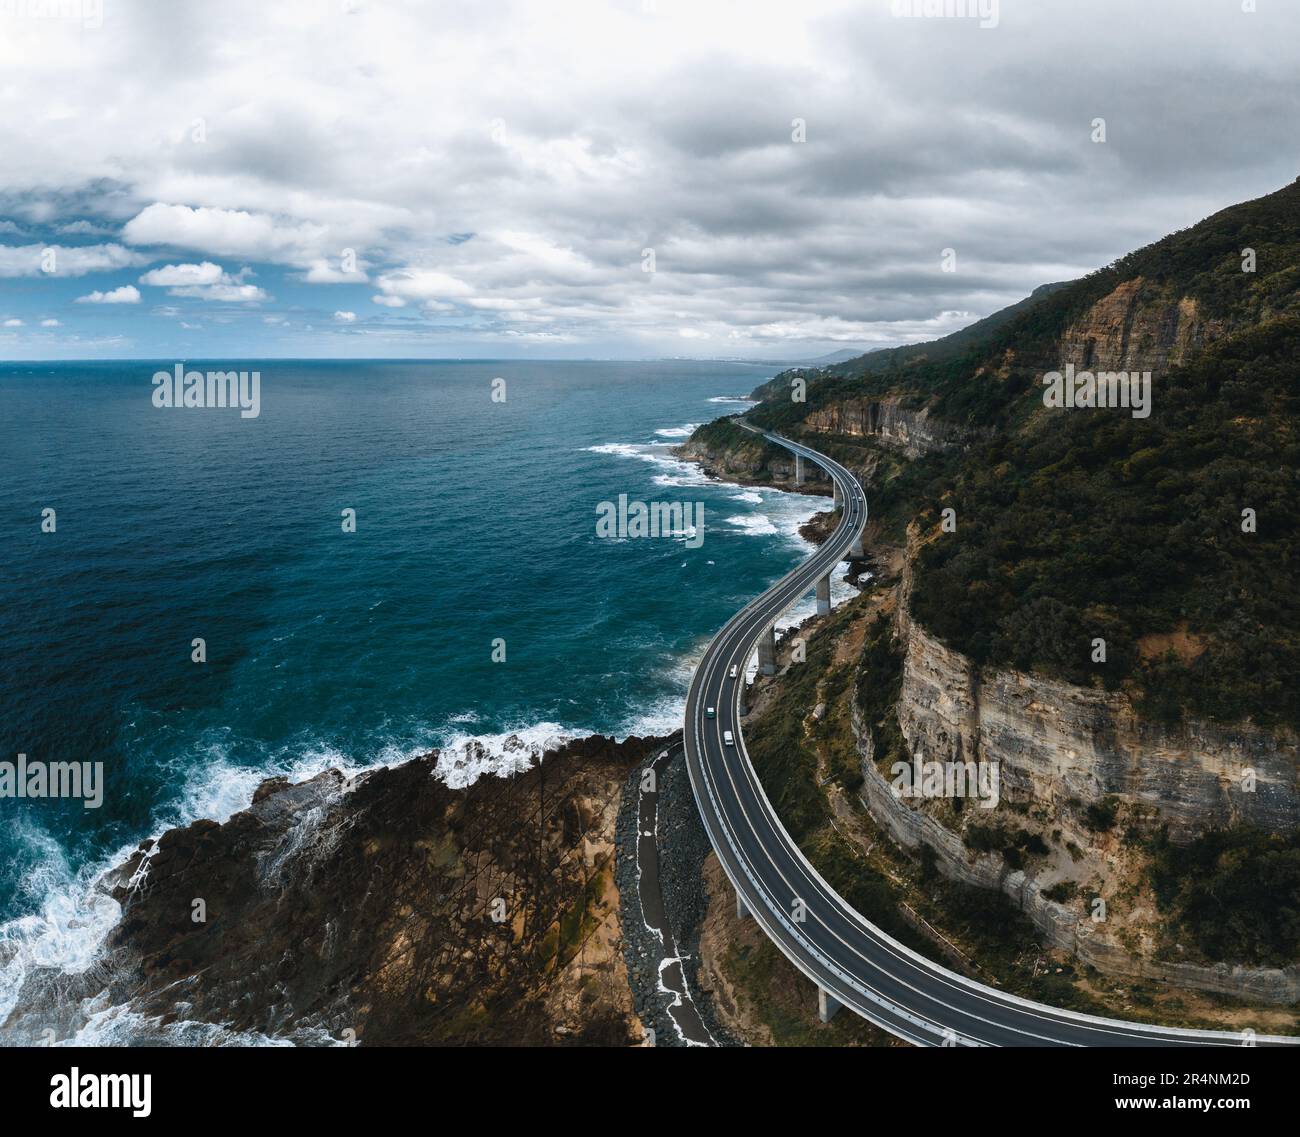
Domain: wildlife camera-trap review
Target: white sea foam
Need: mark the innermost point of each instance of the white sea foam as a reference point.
(466, 758)
(66, 931)
(664, 715)
(788, 512)
(686, 475)
(74, 914)
(734, 399)
(678, 431)
(754, 524)
(119, 1025)
(674, 471)
(783, 513)
(216, 788)
(620, 449)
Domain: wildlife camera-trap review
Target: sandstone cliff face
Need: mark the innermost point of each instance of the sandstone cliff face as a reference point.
(1061, 748)
(1137, 327)
(912, 433)
(1067, 747)
(1099, 946)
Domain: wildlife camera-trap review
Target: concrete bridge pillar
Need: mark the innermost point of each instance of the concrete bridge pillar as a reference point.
(741, 909)
(824, 596)
(767, 651)
(835, 490)
(798, 469)
(855, 549)
(827, 1005)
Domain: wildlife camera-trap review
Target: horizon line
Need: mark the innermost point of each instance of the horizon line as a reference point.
(417, 359)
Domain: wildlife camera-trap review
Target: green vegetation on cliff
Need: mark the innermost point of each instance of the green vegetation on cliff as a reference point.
(880, 679)
(1233, 893)
(1101, 525)
(724, 435)
(1079, 525)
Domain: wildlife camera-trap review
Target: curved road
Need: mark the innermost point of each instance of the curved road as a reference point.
(853, 963)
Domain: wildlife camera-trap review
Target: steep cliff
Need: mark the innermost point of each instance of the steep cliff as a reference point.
(1087, 787)
(911, 432)
(1121, 938)
(1095, 609)
(1140, 326)
(1066, 747)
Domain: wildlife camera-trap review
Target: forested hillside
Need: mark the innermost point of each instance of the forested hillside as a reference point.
(1173, 537)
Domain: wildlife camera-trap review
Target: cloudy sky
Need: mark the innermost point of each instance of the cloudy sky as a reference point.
(391, 178)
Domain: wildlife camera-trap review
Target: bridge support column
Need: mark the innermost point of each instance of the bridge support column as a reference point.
(855, 549)
(743, 701)
(835, 490)
(798, 469)
(742, 910)
(824, 596)
(767, 651)
(827, 1005)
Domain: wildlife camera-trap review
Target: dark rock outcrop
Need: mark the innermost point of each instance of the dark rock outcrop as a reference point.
(385, 909)
(738, 456)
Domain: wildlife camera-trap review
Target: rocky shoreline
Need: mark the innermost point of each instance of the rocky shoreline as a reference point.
(383, 909)
(683, 847)
(754, 463)
(640, 944)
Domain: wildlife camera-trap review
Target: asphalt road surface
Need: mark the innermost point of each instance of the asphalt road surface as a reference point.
(855, 963)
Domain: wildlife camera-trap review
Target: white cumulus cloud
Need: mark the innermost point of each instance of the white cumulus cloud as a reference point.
(174, 276)
(326, 272)
(229, 292)
(127, 294)
(206, 281)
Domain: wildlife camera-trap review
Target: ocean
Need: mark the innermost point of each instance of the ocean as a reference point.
(473, 609)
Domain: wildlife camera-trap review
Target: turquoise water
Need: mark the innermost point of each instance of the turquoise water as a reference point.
(475, 522)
